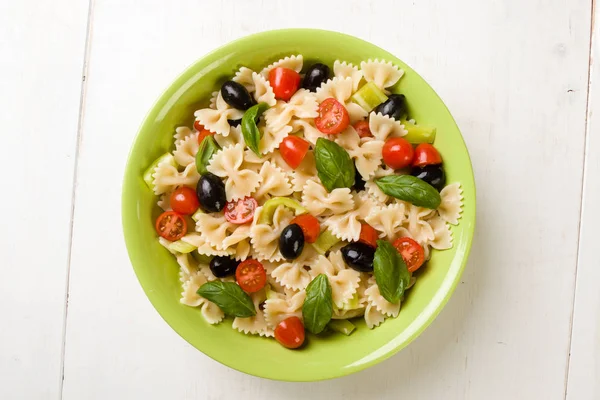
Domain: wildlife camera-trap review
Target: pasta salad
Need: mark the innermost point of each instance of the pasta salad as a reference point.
(302, 198)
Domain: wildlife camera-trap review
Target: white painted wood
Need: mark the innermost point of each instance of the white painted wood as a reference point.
(584, 367)
(514, 75)
(42, 50)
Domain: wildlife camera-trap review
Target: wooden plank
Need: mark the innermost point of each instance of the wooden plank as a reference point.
(584, 367)
(514, 75)
(42, 46)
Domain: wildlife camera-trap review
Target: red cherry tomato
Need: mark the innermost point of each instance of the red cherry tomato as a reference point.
(397, 153)
(368, 235)
(171, 225)
(333, 117)
(411, 251)
(310, 227)
(426, 154)
(251, 276)
(198, 126)
(362, 128)
(240, 211)
(290, 333)
(293, 150)
(184, 201)
(204, 133)
(284, 81)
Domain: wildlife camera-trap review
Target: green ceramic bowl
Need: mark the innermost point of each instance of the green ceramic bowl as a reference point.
(322, 358)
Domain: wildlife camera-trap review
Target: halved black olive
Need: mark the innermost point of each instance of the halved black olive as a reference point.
(236, 95)
(432, 174)
(359, 183)
(315, 76)
(359, 256)
(394, 107)
(291, 242)
(222, 266)
(211, 193)
(234, 122)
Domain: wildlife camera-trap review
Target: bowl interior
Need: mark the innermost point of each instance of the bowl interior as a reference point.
(323, 357)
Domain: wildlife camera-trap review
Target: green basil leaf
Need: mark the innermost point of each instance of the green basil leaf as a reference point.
(391, 273)
(207, 149)
(250, 131)
(318, 305)
(411, 189)
(334, 166)
(230, 298)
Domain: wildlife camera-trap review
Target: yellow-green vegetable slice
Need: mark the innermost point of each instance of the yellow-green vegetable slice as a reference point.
(266, 216)
(168, 157)
(369, 96)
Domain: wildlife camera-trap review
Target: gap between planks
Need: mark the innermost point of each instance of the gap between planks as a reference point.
(82, 96)
(583, 181)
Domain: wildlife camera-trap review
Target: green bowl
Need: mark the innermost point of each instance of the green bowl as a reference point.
(323, 357)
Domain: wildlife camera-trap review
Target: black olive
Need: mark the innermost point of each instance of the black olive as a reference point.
(359, 256)
(236, 95)
(234, 122)
(222, 266)
(432, 174)
(359, 183)
(211, 193)
(291, 241)
(315, 76)
(394, 107)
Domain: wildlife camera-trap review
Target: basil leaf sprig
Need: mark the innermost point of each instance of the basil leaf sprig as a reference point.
(334, 165)
(317, 309)
(411, 189)
(250, 130)
(230, 298)
(207, 149)
(391, 273)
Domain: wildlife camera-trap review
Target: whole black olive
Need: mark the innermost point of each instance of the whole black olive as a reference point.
(359, 183)
(315, 76)
(359, 256)
(432, 174)
(211, 193)
(236, 95)
(222, 266)
(394, 107)
(234, 122)
(291, 241)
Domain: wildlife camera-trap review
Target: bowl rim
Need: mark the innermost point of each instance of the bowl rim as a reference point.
(427, 315)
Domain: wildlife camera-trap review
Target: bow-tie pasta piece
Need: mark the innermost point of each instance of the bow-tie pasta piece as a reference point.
(383, 74)
(451, 205)
(227, 164)
(292, 62)
(319, 202)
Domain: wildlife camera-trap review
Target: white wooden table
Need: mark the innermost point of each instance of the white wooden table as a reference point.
(521, 77)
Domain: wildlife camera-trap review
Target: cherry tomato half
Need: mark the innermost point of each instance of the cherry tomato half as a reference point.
(284, 81)
(198, 126)
(290, 333)
(171, 225)
(411, 251)
(251, 276)
(293, 150)
(240, 211)
(426, 154)
(310, 227)
(204, 133)
(362, 128)
(368, 235)
(397, 153)
(184, 201)
(333, 117)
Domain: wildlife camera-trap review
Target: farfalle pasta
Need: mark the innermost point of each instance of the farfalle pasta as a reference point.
(279, 198)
